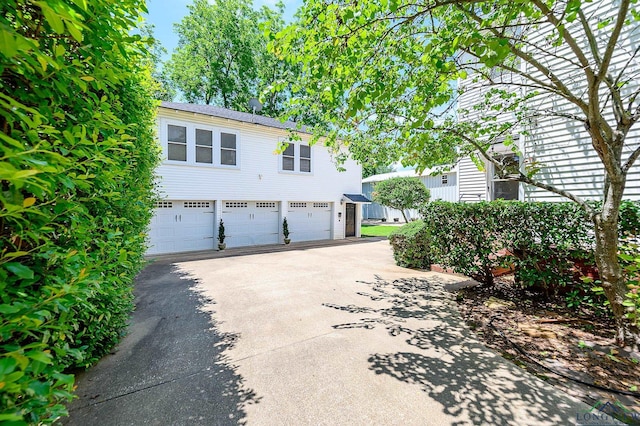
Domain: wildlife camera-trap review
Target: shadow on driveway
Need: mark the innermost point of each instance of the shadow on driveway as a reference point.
(169, 369)
(449, 364)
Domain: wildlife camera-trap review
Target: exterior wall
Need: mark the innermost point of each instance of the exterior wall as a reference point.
(561, 147)
(438, 190)
(472, 186)
(258, 176)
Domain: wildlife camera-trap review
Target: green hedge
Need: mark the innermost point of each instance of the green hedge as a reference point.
(548, 243)
(77, 155)
(411, 244)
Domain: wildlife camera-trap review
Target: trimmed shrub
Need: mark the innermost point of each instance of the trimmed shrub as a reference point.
(464, 237)
(410, 244)
(76, 170)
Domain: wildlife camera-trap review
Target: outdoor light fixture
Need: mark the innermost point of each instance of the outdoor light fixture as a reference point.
(342, 201)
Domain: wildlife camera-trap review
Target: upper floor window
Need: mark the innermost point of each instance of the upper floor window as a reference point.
(204, 146)
(305, 158)
(228, 149)
(288, 158)
(177, 143)
(199, 144)
(445, 180)
(296, 158)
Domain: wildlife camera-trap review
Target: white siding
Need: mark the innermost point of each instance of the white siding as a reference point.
(472, 186)
(258, 175)
(562, 146)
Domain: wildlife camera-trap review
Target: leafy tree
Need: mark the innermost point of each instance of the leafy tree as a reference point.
(222, 56)
(76, 176)
(381, 74)
(401, 193)
(369, 170)
(163, 89)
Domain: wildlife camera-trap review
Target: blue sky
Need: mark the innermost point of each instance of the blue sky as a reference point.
(164, 13)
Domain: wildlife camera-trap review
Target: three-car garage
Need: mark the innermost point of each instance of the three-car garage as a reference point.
(187, 225)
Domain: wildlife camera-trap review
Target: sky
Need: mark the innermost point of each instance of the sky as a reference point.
(164, 13)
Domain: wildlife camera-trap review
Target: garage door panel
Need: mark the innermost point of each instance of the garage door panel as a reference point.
(249, 223)
(309, 221)
(179, 226)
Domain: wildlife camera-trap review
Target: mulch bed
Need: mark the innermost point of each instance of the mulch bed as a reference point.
(571, 350)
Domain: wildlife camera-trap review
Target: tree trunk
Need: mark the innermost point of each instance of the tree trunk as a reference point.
(606, 254)
(404, 216)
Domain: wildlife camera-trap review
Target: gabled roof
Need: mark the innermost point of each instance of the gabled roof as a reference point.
(244, 117)
(404, 173)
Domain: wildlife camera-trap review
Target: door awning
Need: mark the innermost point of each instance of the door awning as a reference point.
(356, 198)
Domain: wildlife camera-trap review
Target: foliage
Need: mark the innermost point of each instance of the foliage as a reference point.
(234, 65)
(76, 171)
(377, 230)
(411, 245)
(401, 193)
(630, 261)
(464, 237)
(221, 235)
(368, 170)
(382, 74)
(550, 245)
(285, 228)
(629, 218)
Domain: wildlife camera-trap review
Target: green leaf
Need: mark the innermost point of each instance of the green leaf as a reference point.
(20, 270)
(7, 365)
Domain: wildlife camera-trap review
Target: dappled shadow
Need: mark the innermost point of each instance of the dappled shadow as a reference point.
(171, 368)
(473, 384)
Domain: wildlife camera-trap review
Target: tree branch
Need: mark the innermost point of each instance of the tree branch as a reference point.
(593, 43)
(613, 40)
(631, 160)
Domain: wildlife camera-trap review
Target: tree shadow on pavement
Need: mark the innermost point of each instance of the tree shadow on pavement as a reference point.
(473, 384)
(170, 368)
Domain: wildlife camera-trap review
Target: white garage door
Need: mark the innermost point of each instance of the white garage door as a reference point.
(179, 226)
(309, 221)
(251, 223)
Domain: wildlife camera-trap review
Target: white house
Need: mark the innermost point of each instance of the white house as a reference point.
(220, 164)
(443, 186)
(560, 146)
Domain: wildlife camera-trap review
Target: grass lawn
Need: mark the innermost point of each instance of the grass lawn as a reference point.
(377, 230)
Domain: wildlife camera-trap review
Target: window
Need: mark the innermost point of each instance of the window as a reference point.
(296, 158)
(228, 149)
(204, 146)
(305, 158)
(445, 180)
(177, 143)
(200, 144)
(503, 185)
(288, 158)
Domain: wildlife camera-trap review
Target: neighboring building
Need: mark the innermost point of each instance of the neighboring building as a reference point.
(221, 164)
(442, 186)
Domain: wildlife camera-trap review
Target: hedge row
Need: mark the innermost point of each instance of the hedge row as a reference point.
(77, 155)
(545, 242)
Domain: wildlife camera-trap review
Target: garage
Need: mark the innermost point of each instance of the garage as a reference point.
(251, 223)
(309, 221)
(179, 226)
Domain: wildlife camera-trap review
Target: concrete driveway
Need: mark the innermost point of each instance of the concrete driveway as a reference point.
(331, 335)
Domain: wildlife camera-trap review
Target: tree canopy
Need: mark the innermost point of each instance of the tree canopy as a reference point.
(401, 193)
(222, 57)
(385, 76)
